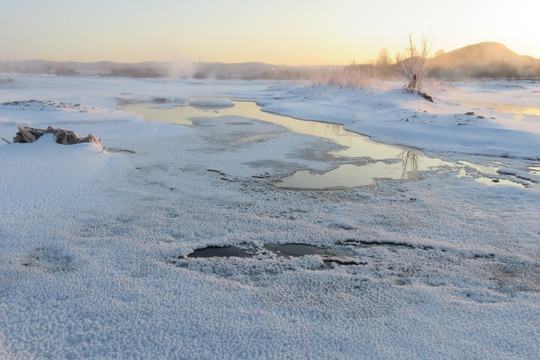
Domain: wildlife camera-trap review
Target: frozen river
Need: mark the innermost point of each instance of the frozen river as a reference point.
(357, 160)
(228, 237)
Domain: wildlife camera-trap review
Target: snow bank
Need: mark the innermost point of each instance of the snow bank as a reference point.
(93, 242)
(397, 117)
(36, 168)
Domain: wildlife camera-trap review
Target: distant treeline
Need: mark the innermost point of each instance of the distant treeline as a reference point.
(500, 71)
(383, 67)
(63, 71)
(135, 73)
(50, 70)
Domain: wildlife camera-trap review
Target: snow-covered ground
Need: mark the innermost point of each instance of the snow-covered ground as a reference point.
(95, 241)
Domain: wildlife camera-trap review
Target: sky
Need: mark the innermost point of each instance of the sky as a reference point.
(290, 32)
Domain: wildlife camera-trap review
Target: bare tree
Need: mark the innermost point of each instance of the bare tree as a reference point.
(415, 67)
(399, 57)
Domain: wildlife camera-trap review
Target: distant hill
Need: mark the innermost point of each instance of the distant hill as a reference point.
(486, 59)
(201, 70)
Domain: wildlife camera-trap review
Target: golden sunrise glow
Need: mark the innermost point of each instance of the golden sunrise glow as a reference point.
(279, 32)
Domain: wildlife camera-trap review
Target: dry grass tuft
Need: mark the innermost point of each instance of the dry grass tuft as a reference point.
(351, 76)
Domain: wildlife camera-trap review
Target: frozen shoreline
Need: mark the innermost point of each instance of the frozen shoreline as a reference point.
(93, 243)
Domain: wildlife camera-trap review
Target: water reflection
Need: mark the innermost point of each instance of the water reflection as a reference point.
(353, 144)
(518, 110)
(382, 161)
(180, 114)
(347, 176)
(409, 163)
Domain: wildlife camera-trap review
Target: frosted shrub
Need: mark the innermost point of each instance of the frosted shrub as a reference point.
(351, 76)
(415, 67)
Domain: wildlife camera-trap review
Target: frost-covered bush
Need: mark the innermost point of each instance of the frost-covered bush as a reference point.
(415, 67)
(350, 76)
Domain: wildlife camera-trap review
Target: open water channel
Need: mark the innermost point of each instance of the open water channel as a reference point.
(382, 161)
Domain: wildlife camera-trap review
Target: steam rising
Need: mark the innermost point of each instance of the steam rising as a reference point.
(180, 67)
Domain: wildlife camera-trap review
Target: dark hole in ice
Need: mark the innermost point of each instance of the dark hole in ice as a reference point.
(339, 254)
(216, 251)
(330, 255)
(362, 243)
(296, 250)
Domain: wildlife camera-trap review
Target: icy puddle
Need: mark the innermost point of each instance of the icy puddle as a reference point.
(336, 254)
(297, 250)
(183, 113)
(519, 111)
(351, 175)
(377, 161)
(216, 251)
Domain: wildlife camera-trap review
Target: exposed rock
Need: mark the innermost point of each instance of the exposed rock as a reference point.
(63, 136)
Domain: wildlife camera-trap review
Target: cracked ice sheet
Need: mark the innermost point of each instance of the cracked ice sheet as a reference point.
(91, 243)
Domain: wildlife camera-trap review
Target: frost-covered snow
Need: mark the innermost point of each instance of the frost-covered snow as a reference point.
(394, 116)
(94, 241)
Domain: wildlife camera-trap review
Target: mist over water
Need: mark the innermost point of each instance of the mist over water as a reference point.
(181, 67)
